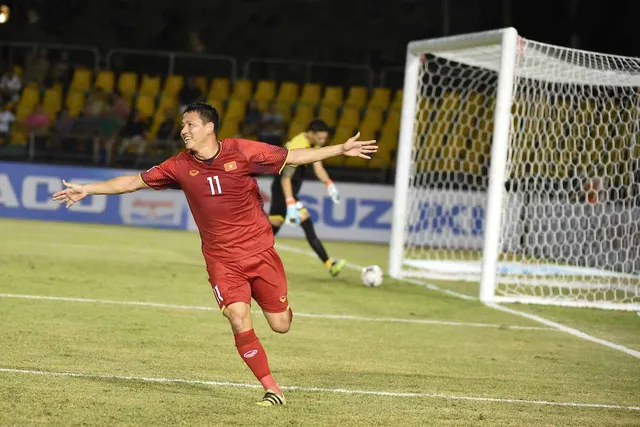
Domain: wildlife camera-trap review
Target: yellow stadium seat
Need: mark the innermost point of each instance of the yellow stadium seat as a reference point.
(202, 83)
(310, 94)
(387, 144)
(350, 117)
(150, 85)
(328, 115)
(372, 119)
(333, 97)
(235, 110)
(173, 85)
(357, 97)
(19, 134)
(341, 135)
(392, 124)
(52, 102)
(146, 105)
(265, 91)
(242, 89)
(357, 162)
(30, 97)
(397, 100)
(75, 102)
(295, 128)
(304, 113)
(219, 89)
(229, 128)
(81, 80)
(167, 101)
(128, 84)
(380, 98)
(288, 93)
(284, 108)
(218, 105)
(105, 80)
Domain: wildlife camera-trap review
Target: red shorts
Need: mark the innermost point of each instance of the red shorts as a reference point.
(260, 277)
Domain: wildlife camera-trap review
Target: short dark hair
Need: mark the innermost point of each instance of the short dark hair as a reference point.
(207, 113)
(317, 125)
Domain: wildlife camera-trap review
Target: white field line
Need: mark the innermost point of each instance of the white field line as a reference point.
(309, 315)
(555, 325)
(322, 389)
(568, 330)
(357, 267)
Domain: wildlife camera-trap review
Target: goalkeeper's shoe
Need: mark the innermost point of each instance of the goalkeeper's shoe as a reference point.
(271, 399)
(336, 266)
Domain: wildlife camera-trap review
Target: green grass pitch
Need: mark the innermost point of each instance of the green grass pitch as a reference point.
(428, 358)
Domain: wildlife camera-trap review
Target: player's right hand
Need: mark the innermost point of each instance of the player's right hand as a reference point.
(70, 195)
(293, 215)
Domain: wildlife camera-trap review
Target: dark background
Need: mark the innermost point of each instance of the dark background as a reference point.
(371, 32)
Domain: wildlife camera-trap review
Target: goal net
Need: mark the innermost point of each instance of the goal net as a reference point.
(519, 168)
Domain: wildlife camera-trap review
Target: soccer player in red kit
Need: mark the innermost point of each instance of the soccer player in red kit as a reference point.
(218, 180)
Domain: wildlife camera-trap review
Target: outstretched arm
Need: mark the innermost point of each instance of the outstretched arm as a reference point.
(352, 147)
(119, 185)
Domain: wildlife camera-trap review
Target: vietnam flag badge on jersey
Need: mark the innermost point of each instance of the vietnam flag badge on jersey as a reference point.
(230, 166)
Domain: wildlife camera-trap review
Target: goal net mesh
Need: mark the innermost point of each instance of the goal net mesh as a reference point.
(570, 219)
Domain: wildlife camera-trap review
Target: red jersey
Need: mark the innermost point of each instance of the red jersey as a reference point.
(223, 196)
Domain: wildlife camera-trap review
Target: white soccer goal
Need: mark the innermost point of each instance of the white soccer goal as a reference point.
(518, 169)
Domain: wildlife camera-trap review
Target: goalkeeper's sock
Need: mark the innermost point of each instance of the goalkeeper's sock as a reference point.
(253, 354)
(275, 229)
(310, 233)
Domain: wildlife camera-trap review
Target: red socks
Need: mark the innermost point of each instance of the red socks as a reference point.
(253, 354)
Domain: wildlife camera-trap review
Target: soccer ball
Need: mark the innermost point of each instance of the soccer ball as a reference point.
(371, 276)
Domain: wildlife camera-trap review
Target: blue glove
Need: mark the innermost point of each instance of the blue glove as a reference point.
(293, 215)
(332, 191)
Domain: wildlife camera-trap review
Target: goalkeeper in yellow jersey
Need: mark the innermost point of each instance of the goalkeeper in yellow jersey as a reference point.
(285, 208)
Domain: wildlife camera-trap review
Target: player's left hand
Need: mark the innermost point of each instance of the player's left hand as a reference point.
(332, 191)
(355, 148)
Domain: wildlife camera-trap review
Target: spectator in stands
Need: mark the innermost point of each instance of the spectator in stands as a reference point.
(85, 130)
(190, 93)
(10, 86)
(120, 107)
(62, 128)
(97, 101)
(167, 128)
(37, 67)
(6, 120)
(61, 70)
(272, 126)
(103, 143)
(134, 133)
(252, 120)
(38, 121)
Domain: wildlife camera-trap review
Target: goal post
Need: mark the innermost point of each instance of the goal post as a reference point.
(518, 170)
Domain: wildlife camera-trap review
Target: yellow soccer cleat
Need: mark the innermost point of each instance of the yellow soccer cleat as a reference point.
(336, 266)
(271, 399)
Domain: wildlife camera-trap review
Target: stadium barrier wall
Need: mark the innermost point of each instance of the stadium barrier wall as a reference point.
(364, 213)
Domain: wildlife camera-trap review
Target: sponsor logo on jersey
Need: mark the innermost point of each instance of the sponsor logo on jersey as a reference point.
(230, 166)
(249, 354)
(193, 172)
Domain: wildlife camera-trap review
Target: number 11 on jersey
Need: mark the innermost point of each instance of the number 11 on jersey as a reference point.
(216, 187)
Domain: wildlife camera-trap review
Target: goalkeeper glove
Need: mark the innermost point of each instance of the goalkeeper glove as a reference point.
(293, 215)
(332, 191)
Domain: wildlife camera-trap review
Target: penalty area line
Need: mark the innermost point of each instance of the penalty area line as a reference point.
(321, 389)
(307, 315)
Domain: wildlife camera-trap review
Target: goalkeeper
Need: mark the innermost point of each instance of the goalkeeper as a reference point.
(285, 188)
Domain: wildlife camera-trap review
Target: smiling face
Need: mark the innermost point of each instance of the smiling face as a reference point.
(195, 132)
